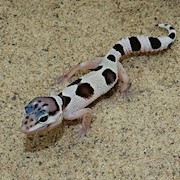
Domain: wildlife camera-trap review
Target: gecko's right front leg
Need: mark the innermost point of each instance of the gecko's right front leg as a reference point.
(82, 66)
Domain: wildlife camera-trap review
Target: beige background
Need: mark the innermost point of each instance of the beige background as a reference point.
(39, 40)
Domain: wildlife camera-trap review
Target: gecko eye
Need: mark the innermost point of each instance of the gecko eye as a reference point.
(43, 119)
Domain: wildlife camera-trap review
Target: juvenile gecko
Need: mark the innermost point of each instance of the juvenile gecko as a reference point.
(45, 113)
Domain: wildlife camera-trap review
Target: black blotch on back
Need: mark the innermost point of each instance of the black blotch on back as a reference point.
(135, 44)
(98, 68)
(85, 90)
(155, 43)
(112, 58)
(172, 35)
(66, 100)
(119, 47)
(109, 76)
(77, 81)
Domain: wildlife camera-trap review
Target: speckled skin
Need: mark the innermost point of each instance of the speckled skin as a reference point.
(44, 113)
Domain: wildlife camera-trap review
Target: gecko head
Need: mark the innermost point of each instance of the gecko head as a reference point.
(42, 113)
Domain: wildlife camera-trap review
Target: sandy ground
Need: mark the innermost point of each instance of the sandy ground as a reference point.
(139, 139)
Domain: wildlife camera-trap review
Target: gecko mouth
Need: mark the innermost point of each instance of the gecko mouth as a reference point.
(33, 130)
(27, 130)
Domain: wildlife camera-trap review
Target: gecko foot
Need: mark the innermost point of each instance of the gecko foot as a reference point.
(81, 133)
(127, 94)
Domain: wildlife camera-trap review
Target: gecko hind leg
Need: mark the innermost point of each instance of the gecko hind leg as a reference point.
(125, 86)
(82, 66)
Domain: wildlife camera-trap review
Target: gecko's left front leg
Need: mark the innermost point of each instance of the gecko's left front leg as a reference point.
(86, 116)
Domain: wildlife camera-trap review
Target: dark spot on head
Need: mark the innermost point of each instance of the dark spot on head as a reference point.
(35, 106)
(40, 112)
(112, 58)
(30, 125)
(75, 82)
(26, 109)
(66, 100)
(155, 42)
(27, 117)
(172, 35)
(39, 101)
(135, 44)
(171, 28)
(109, 76)
(98, 68)
(85, 90)
(45, 105)
(25, 122)
(31, 120)
(119, 47)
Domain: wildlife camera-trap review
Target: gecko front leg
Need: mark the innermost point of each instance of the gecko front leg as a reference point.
(86, 116)
(82, 66)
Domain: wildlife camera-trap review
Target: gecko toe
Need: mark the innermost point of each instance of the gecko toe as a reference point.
(81, 133)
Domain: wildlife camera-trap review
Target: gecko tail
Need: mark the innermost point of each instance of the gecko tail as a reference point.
(143, 43)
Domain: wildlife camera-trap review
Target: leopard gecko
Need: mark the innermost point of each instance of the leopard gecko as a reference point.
(45, 113)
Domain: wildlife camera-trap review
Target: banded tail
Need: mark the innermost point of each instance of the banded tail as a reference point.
(143, 43)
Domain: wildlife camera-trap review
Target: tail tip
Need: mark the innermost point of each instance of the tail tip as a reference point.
(162, 25)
